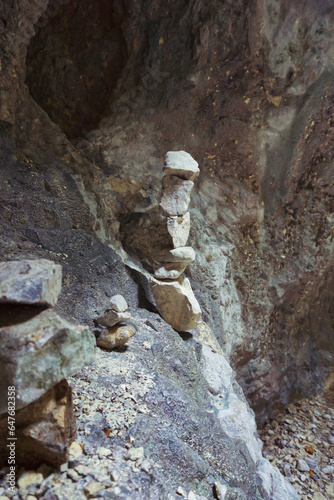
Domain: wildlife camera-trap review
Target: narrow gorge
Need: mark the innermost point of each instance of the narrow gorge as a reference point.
(167, 179)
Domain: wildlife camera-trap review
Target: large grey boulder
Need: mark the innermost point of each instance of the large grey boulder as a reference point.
(39, 353)
(30, 282)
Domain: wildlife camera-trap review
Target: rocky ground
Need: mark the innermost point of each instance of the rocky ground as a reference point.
(300, 442)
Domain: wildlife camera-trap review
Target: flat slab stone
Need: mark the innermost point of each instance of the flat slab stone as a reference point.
(170, 271)
(181, 164)
(181, 254)
(111, 318)
(39, 353)
(30, 282)
(175, 196)
(176, 303)
(178, 228)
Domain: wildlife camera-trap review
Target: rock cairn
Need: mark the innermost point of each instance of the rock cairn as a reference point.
(39, 349)
(171, 291)
(115, 334)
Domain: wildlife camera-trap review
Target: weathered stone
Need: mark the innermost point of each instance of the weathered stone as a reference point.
(181, 254)
(38, 353)
(29, 478)
(221, 490)
(74, 451)
(118, 303)
(177, 303)
(178, 228)
(115, 337)
(175, 196)
(302, 465)
(170, 271)
(44, 429)
(30, 282)
(111, 318)
(181, 164)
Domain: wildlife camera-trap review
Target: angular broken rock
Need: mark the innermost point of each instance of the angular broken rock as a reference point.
(111, 318)
(181, 254)
(181, 164)
(44, 429)
(117, 336)
(30, 282)
(175, 196)
(38, 353)
(176, 303)
(170, 271)
(178, 228)
(118, 303)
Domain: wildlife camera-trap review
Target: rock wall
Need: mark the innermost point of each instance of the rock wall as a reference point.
(246, 88)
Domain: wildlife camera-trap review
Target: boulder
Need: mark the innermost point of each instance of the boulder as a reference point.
(30, 282)
(175, 196)
(44, 429)
(118, 303)
(111, 318)
(39, 353)
(176, 303)
(170, 271)
(115, 337)
(181, 164)
(181, 254)
(178, 228)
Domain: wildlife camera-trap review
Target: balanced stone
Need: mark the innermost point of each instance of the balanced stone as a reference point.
(118, 303)
(38, 353)
(181, 164)
(169, 271)
(175, 196)
(178, 228)
(117, 336)
(30, 282)
(176, 303)
(181, 254)
(111, 318)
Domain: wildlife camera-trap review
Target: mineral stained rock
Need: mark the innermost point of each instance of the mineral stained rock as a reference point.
(39, 353)
(35, 282)
(176, 303)
(116, 336)
(44, 429)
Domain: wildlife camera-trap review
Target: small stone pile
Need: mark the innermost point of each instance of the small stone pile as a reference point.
(115, 334)
(301, 444)
(39, 349)
(172, 292)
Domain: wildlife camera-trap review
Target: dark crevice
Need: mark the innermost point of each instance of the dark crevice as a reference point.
(14, 314)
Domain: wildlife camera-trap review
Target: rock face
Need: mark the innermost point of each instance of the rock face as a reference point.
(30, 282)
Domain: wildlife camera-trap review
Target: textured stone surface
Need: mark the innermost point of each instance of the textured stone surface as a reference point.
(118, 303)
(44, 430)
(181, 164)
(181, 254)
(30, 282)
(179, 228)
(38, 353)
(177, 303)
(175, 196)
(170, 271)
(111, 318)
(116, 336)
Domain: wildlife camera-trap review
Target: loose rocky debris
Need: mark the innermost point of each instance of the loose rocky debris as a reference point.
(163, 419)
(301, 444)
